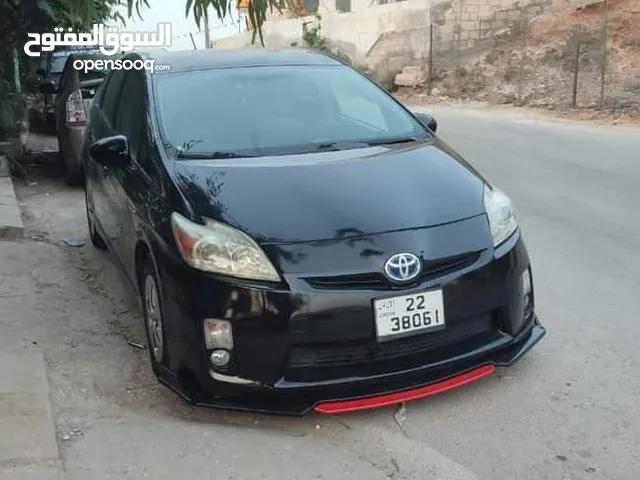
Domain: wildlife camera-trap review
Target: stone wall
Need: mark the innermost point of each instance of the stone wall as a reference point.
(397, 34)
(353, 33)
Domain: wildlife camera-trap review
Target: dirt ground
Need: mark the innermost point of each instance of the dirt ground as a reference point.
(592, 117)
(534, 63)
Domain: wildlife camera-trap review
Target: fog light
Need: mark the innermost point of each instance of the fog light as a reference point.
(527, 293)
(526, 283)
(218, 334)
(220, 358)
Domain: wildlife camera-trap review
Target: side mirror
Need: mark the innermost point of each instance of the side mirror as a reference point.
(428, 121)
(111, 151)
(48, 87)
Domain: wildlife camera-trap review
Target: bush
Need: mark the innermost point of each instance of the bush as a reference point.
(312, 36)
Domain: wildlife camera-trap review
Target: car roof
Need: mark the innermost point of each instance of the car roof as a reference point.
(189, 60)
(65, 51)
(89, 56)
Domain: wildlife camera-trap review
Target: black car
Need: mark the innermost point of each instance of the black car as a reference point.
(299, 240)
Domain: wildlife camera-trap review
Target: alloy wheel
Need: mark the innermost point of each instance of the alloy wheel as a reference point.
(154, 319)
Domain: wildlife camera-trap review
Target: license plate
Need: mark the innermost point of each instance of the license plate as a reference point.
(408, 314)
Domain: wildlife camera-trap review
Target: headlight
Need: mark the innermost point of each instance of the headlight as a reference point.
(502, 217)
(218, 248)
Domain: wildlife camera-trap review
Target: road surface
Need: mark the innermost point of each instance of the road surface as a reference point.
(567, 411)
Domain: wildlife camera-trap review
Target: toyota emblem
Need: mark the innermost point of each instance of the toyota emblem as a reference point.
(402, 267)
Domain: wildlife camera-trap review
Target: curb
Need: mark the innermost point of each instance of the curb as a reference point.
(28, 446)
(11, 225)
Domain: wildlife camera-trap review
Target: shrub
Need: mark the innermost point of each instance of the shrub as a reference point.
(312, 35)
(12, 110)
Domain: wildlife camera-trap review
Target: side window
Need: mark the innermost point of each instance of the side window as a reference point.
(352, 103)
(111, 95)
(131, 112)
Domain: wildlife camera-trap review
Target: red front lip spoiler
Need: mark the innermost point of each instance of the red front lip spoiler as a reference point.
(406, 395)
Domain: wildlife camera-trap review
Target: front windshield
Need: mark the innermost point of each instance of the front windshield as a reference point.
(277, 110)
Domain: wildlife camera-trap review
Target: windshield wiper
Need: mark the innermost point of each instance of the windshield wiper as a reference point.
(211, 155)
(391, 141)
(341, 145)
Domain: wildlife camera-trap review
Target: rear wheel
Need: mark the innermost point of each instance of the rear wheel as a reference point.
(96, 240)
(73, 174)
(153, 317)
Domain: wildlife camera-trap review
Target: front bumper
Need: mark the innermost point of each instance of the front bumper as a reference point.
(296, 351)
(374, 393)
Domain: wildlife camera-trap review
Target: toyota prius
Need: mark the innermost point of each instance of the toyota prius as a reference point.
(298, 239)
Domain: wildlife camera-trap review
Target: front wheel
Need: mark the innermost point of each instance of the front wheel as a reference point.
(153, 318)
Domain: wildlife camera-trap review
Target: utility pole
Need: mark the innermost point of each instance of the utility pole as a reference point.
(207, 39)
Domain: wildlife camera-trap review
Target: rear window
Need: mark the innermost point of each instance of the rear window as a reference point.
(276, 109)
(57, 63)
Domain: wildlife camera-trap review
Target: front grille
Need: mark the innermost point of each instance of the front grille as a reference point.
(336, 355)
(377, 281)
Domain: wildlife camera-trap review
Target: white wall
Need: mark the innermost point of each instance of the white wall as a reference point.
(354, 32)
(391, 35)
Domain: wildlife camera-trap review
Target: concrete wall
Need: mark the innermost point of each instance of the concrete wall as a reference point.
(398, 34)
(354, 33)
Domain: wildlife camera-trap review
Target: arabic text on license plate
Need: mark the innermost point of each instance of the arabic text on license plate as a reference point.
(408, 314)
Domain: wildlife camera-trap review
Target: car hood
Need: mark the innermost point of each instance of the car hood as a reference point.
(329, 195)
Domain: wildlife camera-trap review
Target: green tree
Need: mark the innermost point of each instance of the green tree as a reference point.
(20, 17)
(257, 10)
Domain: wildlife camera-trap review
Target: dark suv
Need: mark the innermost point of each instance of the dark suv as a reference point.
(50, 72)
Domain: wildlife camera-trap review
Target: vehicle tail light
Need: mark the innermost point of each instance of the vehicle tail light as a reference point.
(76, 114)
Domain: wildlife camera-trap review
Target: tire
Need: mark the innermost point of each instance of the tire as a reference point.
(96, 240)
(153, 317)
(50, 126)
(73, 173)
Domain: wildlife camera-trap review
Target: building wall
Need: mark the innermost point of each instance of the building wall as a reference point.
(354, 33)
(398, 34)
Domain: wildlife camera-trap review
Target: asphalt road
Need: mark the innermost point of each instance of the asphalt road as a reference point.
(567, 411)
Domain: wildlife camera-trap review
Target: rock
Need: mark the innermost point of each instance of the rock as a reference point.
(412, 70)
(409, 79)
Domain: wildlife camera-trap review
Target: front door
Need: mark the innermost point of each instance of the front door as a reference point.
(126, 185)
(100, 181)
